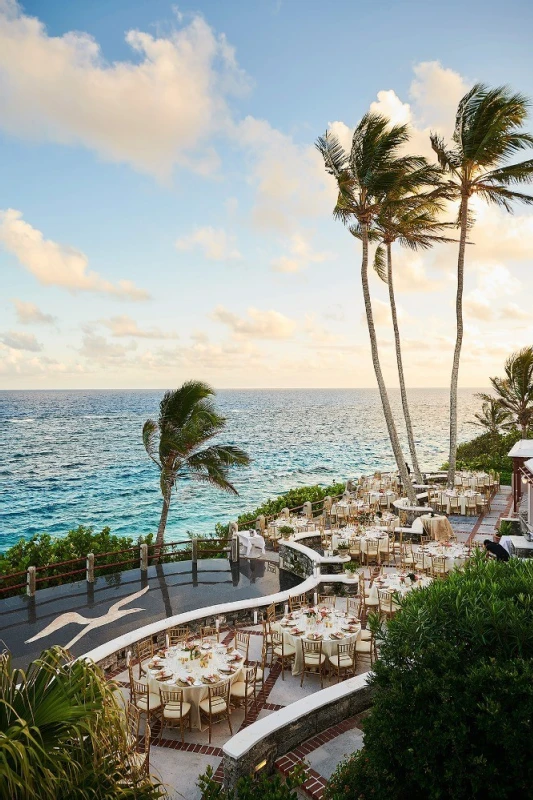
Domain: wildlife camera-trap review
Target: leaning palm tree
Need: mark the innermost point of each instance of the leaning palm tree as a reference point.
(514, 393)
(488, 132)
(175, 442)
(364, 177)
(412, 220)
(493, 418)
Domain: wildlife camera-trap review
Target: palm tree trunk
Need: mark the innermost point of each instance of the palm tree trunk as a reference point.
(399, 362)
(463, 216)
(160, 538)
(389, 419)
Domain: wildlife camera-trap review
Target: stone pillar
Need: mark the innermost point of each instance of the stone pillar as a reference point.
(30, 581)
(89, 568)
(144, 557)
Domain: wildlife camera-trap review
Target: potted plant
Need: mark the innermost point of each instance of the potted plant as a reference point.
(350, 569)
(286, 531)
(343, 546)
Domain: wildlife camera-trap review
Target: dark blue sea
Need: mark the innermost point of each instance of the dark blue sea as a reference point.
(76, 457)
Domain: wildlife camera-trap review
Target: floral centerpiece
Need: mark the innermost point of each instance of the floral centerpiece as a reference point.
(192, 649)
(343, 545)
(286, 531)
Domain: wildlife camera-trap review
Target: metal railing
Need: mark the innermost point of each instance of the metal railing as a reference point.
(141, 556)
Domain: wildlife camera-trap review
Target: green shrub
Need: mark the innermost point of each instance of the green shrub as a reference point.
(291, 499)
(267, 787)
(453, 705)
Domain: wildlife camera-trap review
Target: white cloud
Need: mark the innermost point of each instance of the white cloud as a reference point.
(436, 92)
(259, 325)
(20, 341)
(382, 314)
(30, 314)
(513, 312)
(215, 243)
(55, 264)
(100, 350)
(300, 255)
(124, 325)
(153, 111)
(319, 336)
(494, 283)
(289, 179)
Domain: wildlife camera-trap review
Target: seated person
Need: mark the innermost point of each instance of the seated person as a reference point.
(496, 550)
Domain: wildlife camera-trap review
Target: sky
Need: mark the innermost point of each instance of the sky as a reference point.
(164, 214)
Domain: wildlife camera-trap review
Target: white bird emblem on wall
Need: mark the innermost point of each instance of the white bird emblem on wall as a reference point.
(113, 614)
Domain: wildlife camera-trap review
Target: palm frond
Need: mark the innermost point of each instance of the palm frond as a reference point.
(334, 155)
(150, 435)
(380, 264)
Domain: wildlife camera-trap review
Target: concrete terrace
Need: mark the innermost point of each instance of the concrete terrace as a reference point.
(178, 765)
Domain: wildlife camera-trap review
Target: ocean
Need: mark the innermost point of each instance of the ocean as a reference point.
(76, 457)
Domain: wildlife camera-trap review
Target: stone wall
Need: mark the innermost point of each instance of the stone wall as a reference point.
(296, 730)
(294, 561)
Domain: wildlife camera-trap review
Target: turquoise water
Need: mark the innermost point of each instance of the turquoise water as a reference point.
(76, 457)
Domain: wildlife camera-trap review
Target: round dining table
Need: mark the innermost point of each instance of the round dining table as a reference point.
(330, 626)
(208, 665)
(398, 582)
(456, 554)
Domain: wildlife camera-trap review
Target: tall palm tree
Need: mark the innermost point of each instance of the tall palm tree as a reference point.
(63, 733)
(493, 418)
(488, 132)
(514, 393)
(412, 220)
(175, 442)
(364, 176)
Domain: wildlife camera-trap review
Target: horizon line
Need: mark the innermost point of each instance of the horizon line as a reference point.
(230, 389)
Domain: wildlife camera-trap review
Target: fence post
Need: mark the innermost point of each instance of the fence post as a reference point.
(194, 549)
(144, 557)
(89, 568)
(30, 581)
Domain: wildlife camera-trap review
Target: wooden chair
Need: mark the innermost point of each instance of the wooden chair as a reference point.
(261, 667)
(297, 601)
(209, 633)
(267, 638)
(471, 506)
(177, 635)
(387, 607)
(282, 652)
(372, 551)
(133, 725)
(175, 711)
(355, 550)
(352, 606)
(241, 643)
(144, 651)
(438, 567)
(313, 660)
(455, 505)
(343, 661)
(422, 562)
(244, 692)
(407, 560)
(147, 702)
(139, 757)
(365, 649)
(384, 550)
(216, 706)
(271, 613)
(328, 600)
(366, 604)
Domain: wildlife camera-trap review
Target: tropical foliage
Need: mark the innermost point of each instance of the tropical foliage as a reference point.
(62, 734)
(514, 392)
(453, 703)
(294, 498)
(267, 787)
(488, 133)
(492, 417)
(176, 444)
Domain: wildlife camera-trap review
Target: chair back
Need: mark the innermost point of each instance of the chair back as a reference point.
(271, 612)
(420, 560)
(174, 696)
(177, 635)
(372, 546)
(311, 648)
(139, 690)
(439, 565)
(208, 632)
(355, 547)
(297, 601)
(133, 724)
(221, 689)
(385, 597)
(242, 643)
(346, 649)
(352, 607)
(328, 600)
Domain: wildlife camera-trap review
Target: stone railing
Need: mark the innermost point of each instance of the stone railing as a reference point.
(257, 747)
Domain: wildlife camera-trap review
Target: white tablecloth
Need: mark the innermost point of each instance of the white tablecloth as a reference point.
(251, 539)
(178, 662)
(462, 499)
(398, 582)
(456, 554)
(329, 646)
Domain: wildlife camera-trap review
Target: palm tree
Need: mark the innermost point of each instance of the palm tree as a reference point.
(488, 132)
(364, 177)
(492, 417)
(411, 220)
(514, 393)
(187, 421)
(63, 733)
